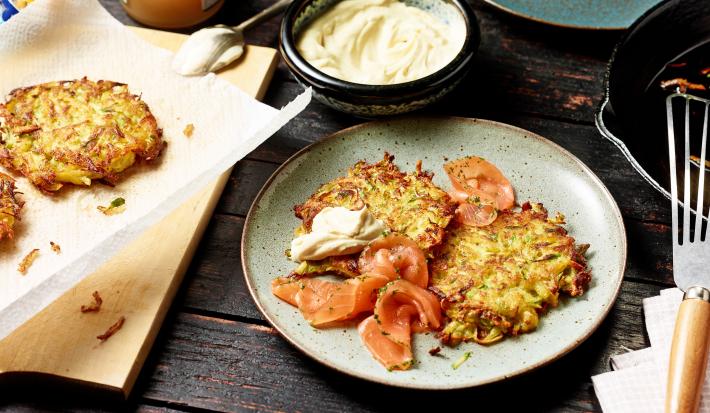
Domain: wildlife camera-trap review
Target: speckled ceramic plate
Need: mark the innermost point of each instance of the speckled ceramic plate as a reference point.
(578, 14)
(538, 169)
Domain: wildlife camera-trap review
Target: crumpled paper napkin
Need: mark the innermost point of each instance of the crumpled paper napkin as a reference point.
(638, 382)
(69, 39)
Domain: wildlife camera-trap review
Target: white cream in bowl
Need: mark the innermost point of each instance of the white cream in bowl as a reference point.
(380, 42)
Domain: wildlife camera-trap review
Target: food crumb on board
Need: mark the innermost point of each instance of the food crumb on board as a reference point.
(117, 206)
(434, 351)
(95, 306)
(55, 247)
(189, 128)
(112, 330)
(26, 262)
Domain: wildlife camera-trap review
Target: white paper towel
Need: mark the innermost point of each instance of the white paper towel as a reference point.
(69, 39)
(639, 383)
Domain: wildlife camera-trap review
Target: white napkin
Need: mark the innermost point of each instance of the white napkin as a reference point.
(68, 39)
(638, 383)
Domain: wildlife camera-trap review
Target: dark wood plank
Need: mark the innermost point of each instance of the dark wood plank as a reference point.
(244, 184)
(143, 408)
(650, 252)
(215, 280)
(59, 403)
(529, 69)
(226, 365)
(20, 394)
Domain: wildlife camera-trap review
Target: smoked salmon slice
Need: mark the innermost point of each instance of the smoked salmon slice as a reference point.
(477, 215)
(286, 289)
(390, 354)
(395, 256)
(475, 176)
(401, 309)
(401, 293)
(396, 267)
(324, 302)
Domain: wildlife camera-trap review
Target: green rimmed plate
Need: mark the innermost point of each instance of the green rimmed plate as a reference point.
(538, 169)
(578, 14)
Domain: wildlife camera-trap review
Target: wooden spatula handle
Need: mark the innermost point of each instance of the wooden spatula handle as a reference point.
(689, 352)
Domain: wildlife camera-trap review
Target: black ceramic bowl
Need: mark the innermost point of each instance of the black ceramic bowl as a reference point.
(632, 115)
(374, 100)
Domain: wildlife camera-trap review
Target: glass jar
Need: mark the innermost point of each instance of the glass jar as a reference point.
(171, 14)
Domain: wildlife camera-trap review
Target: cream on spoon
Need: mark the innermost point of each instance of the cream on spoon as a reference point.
(212, 48)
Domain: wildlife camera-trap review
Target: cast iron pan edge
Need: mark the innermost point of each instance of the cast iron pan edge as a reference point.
(606, 119)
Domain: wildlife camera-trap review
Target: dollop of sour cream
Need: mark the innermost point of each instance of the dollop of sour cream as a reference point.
(380, 42)
(336, 231)
(195, 57)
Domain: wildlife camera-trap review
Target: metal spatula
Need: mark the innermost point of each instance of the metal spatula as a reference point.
(691, 259)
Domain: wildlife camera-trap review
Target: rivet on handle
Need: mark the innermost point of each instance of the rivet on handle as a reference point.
(697, 293)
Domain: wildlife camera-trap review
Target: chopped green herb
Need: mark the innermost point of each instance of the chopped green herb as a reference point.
(116, 206)
(118, 202)
(461, 360)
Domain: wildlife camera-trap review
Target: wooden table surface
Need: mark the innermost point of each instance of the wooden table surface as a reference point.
(215, 351)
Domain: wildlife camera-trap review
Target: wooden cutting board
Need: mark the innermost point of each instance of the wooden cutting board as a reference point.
(139, 283)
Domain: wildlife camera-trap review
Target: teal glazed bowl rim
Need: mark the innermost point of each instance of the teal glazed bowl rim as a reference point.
(378, 94)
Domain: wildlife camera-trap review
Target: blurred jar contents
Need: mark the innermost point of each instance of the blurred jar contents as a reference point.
(171, 14)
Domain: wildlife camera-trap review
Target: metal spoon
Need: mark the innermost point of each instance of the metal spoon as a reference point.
(212, 48)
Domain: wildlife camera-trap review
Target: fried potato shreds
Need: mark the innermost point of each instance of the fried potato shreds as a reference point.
(26, 262)
(112, 330)
(95, 306)
(408, 203)
(55, 247)
(10, 207)
(189, 129)
(498, 280)
(76, 132)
